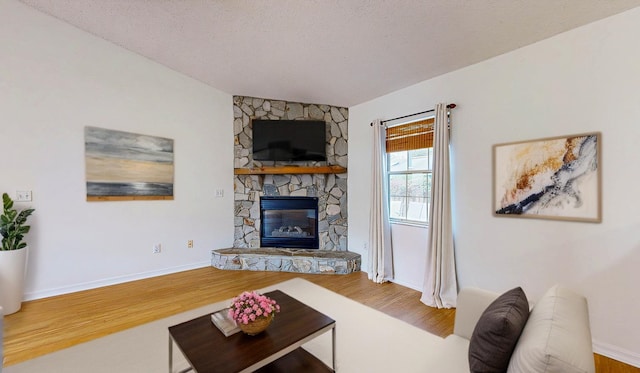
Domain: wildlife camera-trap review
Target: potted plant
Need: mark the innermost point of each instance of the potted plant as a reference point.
(13, 255)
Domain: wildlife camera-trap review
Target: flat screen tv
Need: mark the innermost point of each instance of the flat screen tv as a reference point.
(289, 140)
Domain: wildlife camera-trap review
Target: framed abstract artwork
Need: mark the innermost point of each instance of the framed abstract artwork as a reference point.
(127, 166)
(552, 178)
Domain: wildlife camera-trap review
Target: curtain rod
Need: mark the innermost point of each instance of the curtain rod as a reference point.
(450, 106)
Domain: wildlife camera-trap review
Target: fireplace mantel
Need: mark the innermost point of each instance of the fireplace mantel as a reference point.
(280, 170)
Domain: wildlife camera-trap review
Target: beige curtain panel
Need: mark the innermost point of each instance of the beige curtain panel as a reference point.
(380, 257)
(440, 283)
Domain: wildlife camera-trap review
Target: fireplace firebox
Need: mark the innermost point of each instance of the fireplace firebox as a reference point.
(290, 222)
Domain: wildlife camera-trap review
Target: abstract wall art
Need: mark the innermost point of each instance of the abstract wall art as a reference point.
(553, 178)
(127, 166)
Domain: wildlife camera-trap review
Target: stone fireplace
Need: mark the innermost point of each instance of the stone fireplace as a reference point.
(326, 220)
(330, 189)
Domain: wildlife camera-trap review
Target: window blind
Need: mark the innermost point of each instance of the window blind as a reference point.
(410, 136)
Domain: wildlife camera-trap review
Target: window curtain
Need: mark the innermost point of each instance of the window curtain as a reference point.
(380, 258)
(440, 285)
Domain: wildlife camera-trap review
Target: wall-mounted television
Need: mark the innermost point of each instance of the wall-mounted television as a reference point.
(289, 140)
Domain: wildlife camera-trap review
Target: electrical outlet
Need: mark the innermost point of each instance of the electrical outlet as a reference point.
(219, 193)
(190, 244)
(23, 196)
(157, 248)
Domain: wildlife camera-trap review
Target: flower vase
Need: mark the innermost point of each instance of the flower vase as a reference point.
(256, 327)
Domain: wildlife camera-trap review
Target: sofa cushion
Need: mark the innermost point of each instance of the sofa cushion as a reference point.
(557, 337)
(497, 331)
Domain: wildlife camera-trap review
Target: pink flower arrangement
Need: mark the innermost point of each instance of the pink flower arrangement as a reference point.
(251, 305)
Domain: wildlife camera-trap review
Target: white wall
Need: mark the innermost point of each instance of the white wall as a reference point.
(584, 80)
(54, 81)
(409, 255)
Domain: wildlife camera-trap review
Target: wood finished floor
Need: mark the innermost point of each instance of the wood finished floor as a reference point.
(50, 324)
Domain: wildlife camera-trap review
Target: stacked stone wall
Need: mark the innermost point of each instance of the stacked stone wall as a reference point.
(331, 189)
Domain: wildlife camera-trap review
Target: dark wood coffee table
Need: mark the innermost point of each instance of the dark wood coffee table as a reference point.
(275, 350)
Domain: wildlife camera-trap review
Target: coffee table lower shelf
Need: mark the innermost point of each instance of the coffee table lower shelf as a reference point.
(299, 360)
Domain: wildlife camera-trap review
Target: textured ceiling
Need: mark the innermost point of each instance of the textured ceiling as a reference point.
(324, 51)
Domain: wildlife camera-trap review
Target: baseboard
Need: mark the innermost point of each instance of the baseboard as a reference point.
(112, 281)
(399, 282)
(406, 284)
(617, 353)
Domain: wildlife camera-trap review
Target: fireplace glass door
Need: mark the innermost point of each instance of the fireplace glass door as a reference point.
(290, 222)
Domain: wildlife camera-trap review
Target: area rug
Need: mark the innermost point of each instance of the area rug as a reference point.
(366, 341)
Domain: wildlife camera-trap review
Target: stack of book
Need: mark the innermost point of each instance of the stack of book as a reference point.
(223, 322)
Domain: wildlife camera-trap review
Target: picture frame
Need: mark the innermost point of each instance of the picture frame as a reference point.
(125, 166)
(557, 178)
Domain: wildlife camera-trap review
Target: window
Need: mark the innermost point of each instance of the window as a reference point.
(409, 157)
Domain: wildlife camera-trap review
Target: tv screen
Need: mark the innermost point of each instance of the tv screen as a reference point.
(289, 140)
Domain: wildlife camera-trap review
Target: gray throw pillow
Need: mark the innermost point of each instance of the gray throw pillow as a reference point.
(497, 331)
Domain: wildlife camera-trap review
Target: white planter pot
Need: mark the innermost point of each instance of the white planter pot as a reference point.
(13, 268)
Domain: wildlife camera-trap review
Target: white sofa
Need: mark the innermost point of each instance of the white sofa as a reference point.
(555, 338)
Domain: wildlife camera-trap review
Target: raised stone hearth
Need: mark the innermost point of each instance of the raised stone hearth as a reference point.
(286, 260)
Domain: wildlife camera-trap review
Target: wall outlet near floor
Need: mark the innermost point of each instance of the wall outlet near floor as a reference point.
(190, 244)
(157, 248)
(219, 193)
